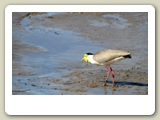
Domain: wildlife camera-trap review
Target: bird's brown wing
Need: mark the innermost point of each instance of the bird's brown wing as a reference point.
(104, 56)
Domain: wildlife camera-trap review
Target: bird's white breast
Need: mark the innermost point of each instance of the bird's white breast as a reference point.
(91, 60)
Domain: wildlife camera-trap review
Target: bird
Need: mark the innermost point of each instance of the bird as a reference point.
(106, 58)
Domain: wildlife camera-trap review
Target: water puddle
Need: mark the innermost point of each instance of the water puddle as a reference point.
(25, 22)
(64, 51)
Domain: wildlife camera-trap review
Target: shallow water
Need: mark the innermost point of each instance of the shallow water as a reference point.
(64, 50)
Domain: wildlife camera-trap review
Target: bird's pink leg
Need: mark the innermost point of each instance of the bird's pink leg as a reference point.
(109, 70)
(112, 75)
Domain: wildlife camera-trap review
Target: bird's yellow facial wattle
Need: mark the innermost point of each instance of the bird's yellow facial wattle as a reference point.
(85, 58)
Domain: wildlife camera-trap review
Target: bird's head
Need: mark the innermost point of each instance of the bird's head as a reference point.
(85, 57)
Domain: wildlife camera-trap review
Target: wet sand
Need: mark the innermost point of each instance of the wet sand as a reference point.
(47, 49)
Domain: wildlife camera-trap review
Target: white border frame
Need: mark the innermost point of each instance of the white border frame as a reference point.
(80, 104)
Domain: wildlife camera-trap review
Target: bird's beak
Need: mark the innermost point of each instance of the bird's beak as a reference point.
(84, 59)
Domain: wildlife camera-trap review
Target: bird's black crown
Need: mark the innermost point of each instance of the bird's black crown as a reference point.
(89, 53)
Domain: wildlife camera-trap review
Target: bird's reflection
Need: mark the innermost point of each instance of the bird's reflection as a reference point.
(108, 93)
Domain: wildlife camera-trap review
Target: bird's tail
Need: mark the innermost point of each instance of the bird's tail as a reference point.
(128, 56)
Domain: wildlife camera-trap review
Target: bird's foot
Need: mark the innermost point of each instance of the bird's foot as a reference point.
(113, 85)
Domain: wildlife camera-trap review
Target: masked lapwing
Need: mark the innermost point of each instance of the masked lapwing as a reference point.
(106, 57)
